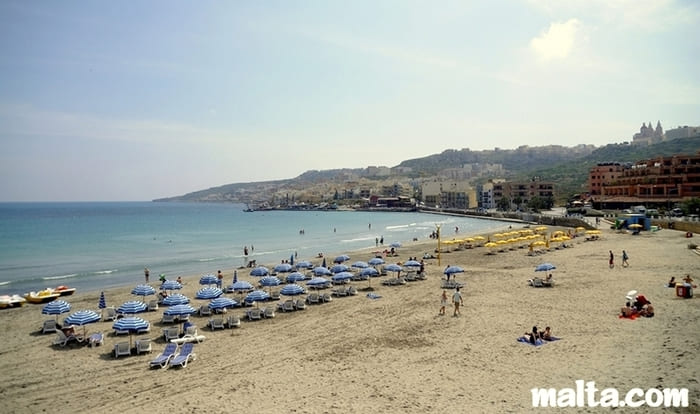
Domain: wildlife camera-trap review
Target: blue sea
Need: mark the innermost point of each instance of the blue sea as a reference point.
(93, 246)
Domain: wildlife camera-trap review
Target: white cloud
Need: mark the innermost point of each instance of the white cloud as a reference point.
(557, 42)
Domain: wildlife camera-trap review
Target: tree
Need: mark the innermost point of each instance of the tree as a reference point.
(503, 204)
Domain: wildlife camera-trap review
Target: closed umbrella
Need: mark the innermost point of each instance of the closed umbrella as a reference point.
(209, 292)
(132, 307)
(102, 303)
(56, 307)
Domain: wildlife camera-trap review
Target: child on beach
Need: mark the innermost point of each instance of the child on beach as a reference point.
(458, 300)
(443, 302)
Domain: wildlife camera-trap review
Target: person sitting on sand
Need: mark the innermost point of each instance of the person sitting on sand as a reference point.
(627, 310)
(647, 310)
(546, 334)
(672, 282)
(689, 281)
(533, 337)
(179, 279)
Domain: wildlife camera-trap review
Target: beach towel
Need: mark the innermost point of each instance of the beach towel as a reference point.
(373, 296)
(631, 317)
(524, 340)
(552, 339)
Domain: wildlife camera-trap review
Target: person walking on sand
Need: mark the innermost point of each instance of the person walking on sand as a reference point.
(611, 262)
(625, 259)
(146, 273)
(443, 302)
(458, 300)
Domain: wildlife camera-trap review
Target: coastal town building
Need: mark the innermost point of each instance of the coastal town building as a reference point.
(522, 192)
(683, 132)
(449, 194)
(660, 182)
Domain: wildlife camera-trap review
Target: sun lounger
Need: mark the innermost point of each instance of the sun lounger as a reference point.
(122, 349)
(147, 329)
(171, 333)
(168, 319)
(49, 326)
(61, 338)
(233, 321)
(299, 304)
(204, 310)
(153, 305)
(121, 332)
(254, 314)
(143, 346)
(339, 292)
(96, 339)
(183, 318)
(313, 298)
(326, 297)
(162, 360)
(216, 323)
(268, 312)
(191, 330)
(109, 314)
(286, 306)
(186, 355)
(189, 339)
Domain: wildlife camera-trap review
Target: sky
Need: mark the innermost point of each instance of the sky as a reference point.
(111, 101)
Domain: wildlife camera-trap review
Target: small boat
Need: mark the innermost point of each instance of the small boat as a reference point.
(42, 296)
(64, 290)
(14, 301)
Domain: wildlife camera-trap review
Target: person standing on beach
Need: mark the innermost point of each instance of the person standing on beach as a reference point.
(625, 259)
(146, 273)
(443, 302)
(611, 262)
(458, 300)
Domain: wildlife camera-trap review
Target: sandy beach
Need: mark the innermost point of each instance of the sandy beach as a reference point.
(393, 354)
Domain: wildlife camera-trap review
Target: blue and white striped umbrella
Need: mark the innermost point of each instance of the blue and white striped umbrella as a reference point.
(375, 261)
(453, 269)
(257, 296)
(360, 265)
(259, 271)
(176, 299)
(305, 264)
(143, 290)
(132, 324)
(369, 271)
(412, 263)
(56, 307)
(209, 293)
(395, 245)
(182, 309)
(222, 302)
(342, 276)
(270, 281)
(295, 277)
(102, 303)
(318, 282)
(321, 271)
(545, 267)
(242, 286)
(292, 289)
(342, 258)
(208, 280)
(82, 317)
(131, 307)
(391, 267)
(283, 268)
(171, 285)
(339, 268)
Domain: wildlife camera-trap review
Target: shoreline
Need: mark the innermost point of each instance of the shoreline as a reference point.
(356, 354)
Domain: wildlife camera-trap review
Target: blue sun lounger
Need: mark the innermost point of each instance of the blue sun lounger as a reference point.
(185, 356)
(162, 360)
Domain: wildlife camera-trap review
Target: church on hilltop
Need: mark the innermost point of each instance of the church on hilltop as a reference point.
(648, 134)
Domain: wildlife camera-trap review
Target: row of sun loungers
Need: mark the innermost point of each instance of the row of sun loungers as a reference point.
(318, 298)
(256, 314)
(345, 291)
(291, 305)
(221, 323)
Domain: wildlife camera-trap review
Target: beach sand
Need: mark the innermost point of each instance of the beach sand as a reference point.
(393, 354)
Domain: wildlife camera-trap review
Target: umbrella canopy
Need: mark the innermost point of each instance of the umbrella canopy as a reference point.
(391, 267)
(182, 309)
(143, 290)
(295, 277)
(375, 261)
(360, 265)
(453, 269)
(395, 245)
(131, 307)
(176, 299)
(342, 258)
(545, 267)
(208, 280)
(292, 289)
(369, 271)
(132, 324)
(339, 268)
(209, 292)
(412, 263)
(318, 282)
(171, 285)
(283, 268)
(56, 307)
(270, 281)
(102, 303)
(82, 317)
(341, 276)
(242, 286)
(305, 264)
(259, 271)
(257, 296)
(222, 303)
(321, 271)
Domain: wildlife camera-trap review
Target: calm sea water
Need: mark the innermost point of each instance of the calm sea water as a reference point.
(93, 246)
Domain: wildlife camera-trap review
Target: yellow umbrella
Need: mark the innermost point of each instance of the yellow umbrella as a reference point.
(580, 229)
(491, 244)
(635, 226)
(479, 238)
